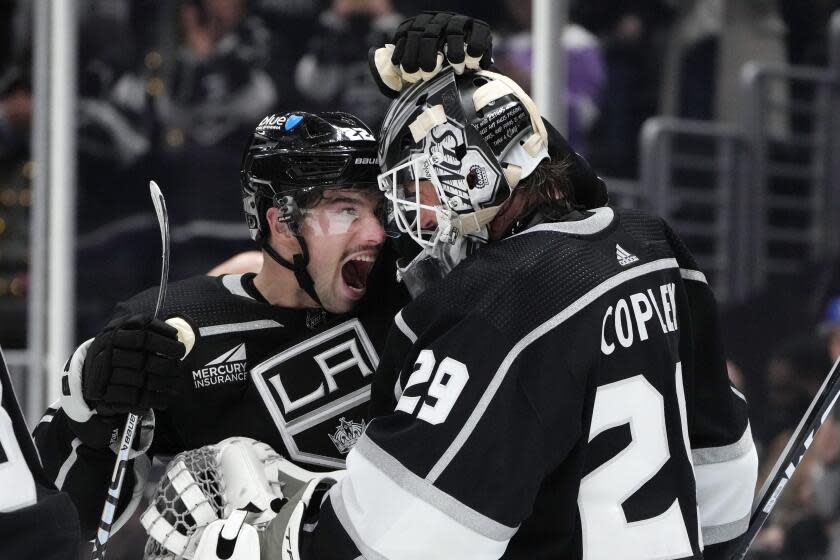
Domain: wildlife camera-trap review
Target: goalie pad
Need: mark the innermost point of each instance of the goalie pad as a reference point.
(209, 484)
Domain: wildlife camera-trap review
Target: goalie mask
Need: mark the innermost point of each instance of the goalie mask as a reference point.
(453, 148)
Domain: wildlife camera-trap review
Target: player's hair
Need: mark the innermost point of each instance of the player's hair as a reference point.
(550, 186)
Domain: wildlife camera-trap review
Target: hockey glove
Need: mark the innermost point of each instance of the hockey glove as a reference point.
(424, 44)
(231, 490)
(132, 366)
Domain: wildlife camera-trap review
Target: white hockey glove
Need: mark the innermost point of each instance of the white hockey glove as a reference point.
(424, 44)
(212, 501)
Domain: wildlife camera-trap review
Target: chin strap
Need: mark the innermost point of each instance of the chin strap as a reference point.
(298, 266)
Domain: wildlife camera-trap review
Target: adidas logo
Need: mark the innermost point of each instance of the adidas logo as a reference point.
(624, 258)
(229, 367)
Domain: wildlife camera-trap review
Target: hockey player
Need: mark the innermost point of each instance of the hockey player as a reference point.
(558, 387)
(36, 521)
(284, 356)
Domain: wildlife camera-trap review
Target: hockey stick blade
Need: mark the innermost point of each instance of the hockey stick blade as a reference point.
(163, 223)
(117, 477)
(797, 445)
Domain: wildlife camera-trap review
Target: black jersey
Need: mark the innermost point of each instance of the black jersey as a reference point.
(36, 521)
(561, 394)
(296, 379)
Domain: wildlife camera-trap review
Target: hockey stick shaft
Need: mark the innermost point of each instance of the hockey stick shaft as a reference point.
(118, 476)
(818, 411)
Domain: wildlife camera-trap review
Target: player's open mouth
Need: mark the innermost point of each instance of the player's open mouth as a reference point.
(355, 272)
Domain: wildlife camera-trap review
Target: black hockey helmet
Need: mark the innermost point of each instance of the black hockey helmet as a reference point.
(293, 157)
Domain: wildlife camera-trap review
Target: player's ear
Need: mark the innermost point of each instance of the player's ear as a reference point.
(279, 228)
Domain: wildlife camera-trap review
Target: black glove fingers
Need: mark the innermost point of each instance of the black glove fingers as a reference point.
(161, 365)
(456, 32)
(163, 345)
(131, 359)
(93, 384)
(127, 377)
(128, 339)
(123, 396)
(410, 58)
(429, 47)
(162, 328)
(479, 39)
(399, 41)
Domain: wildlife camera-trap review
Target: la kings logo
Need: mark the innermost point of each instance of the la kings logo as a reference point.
(317, 393)
(346, 435)
(230, 367)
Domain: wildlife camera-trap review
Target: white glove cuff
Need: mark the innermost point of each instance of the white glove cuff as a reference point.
(389, 73)
(72, 401)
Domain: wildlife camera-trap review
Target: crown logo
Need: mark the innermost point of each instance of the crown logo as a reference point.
(347, 434)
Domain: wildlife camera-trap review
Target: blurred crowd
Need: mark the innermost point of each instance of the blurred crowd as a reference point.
(169, 90)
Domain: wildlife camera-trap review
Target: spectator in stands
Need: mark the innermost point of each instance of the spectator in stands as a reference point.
(798, 527)
(586, 69)
(794, 374)
(829, 328)
(632, 35)
(179, 118)
(333, 74)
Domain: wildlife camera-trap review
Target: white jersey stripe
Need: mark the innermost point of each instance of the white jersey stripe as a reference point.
(404, 328)
(239, 327)
(725, 495)
(68, 463)
(390, 512)
(233, 283)
(598, 221)
(531, 337)
(695, 275)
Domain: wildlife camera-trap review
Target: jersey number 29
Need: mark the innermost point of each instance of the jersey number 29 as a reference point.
(606, 531)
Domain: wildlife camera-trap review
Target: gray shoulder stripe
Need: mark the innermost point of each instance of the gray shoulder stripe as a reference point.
(239, 327)
(724, 453)
(233, 283)
(601, 218)
(552, 323)
(695, 275)
(437, 498)
(727, 532)
(404, 328)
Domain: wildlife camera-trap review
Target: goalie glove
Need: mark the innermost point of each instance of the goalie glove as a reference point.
(208, 495)
(424, 44)
(283, 537)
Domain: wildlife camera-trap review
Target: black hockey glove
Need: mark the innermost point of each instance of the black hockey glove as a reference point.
(132, 366)
(424, 44)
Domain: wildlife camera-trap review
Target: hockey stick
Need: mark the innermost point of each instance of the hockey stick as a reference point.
(115, 487)
(795, 449)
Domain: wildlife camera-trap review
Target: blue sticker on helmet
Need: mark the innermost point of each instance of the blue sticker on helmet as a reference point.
(292, 122)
